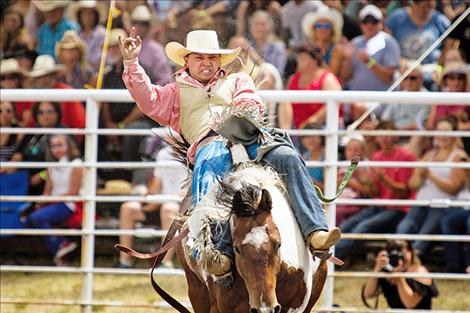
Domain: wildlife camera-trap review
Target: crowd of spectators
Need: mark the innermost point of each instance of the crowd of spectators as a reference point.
(294, 45)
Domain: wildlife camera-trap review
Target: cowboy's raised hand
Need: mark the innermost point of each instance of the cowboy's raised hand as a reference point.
(130, 46)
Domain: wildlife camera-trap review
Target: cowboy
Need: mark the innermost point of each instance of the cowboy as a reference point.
(203, 92)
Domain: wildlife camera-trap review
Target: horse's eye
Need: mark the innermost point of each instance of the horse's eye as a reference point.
(278, 245)
(237, 250)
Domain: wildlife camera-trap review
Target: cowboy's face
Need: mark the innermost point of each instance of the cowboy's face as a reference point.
(202, 66)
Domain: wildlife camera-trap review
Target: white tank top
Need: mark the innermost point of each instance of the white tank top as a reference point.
(429, 190)
(61, 178)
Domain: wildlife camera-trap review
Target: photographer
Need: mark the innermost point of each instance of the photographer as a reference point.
(401, 292)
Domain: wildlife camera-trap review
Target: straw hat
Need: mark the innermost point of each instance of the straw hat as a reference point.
(10, 66)
(114, 35)
(70, 40)
(49, 5)
(115, 187)
(200, 41)
(45, 64)
(326, 13)
(454, 68)
(74, 9)
(142, 14)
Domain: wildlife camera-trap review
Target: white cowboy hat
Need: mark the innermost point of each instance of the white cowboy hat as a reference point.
(44, 65)
(200, 41)
(326, 13)
(115, 187)
(75, 7)
(49, 5)
(142, 14)
(10, 66)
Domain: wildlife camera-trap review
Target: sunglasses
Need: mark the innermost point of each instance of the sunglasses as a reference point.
(412, 78)
(319, 25)
(9, 77)
(42, 112)
(455, 77)
(370, 20)
(6, 111)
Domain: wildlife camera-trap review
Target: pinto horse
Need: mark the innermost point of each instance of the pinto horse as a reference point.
(274, 271)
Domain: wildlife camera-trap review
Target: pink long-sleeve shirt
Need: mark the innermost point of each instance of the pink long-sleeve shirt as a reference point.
(162, 103)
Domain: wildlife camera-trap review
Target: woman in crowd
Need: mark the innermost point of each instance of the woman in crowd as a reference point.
(34, 146)
(13, 32)
(61, 181)
(9, 142)
(12, 77)
(88, 14)
(266, 47)
(454, 78)
(323, 28)
(401, 292)
(247, 8)
(434, 183)
(311, 75)
(70, 51)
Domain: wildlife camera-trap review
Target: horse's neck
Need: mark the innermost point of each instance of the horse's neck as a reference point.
(293, 248)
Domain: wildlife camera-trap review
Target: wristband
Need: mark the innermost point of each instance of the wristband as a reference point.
(371, 63)
(121, 125)
(202, 13)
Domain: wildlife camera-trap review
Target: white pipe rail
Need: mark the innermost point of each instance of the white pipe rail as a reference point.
(332, 133)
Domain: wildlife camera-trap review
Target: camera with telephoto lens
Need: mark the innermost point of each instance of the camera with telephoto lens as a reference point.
(394, 258)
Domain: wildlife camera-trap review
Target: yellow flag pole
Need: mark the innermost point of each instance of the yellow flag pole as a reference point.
(112, 12)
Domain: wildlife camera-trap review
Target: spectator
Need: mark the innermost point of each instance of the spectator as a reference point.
(357, 185)
(416, 28)
(454, 78)
(452, 8)
(453, 55)
(310, 75)
(34, 146)
(323, 28)
(13, 33)
(54, 26)
(434, 183)
(266, 47)
(12, 77)
(387, 183)
(457, 222)
(401, 292)
(314, 150)
(121, 115)
(458, 37)
(61, 181)
(89, 14)
(165, 181)
(372, 58)
(351, 28)
(71, 51)
(24, 56)
(152, 54)
(247, 8)
(292, 14)
(45, 75)
(9, 143)
(413, 116)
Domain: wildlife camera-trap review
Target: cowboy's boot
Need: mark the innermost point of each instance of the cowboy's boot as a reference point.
(324, 240)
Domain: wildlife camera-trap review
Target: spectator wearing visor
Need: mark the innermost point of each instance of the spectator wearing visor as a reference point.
(372, 58)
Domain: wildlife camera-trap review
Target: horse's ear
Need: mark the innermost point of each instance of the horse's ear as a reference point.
(266, 203)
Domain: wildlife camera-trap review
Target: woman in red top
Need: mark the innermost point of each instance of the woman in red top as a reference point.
(311, 75)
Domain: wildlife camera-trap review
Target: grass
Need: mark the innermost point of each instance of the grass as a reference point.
(137, 290)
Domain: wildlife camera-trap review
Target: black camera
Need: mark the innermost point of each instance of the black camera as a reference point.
(394, 258)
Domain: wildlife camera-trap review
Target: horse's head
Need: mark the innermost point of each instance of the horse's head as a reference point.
(256, 241)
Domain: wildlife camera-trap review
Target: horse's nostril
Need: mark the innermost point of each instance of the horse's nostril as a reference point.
(277, 309)
(253, 310)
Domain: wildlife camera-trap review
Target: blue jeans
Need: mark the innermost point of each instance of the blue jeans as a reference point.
(45, 217)
(457, 254)
(214, 160)
(422, 220)
(369, 220)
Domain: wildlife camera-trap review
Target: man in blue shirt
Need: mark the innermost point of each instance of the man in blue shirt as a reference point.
(54, 26)
(416, 28)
